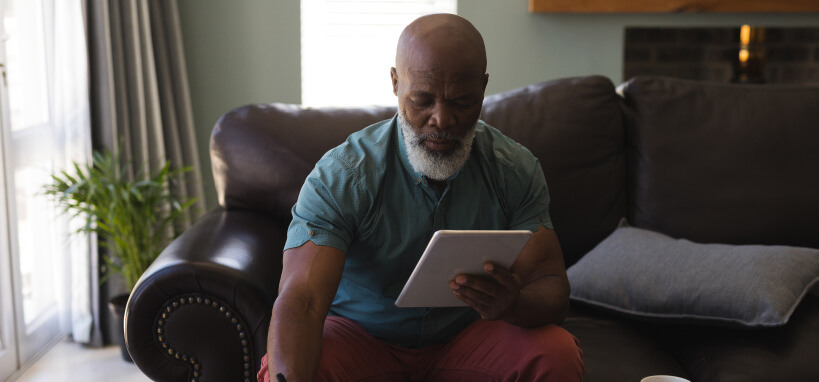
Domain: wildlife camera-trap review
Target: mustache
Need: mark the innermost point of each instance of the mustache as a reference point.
(439, 136)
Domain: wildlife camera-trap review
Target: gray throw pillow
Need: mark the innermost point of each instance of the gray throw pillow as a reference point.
(650, 275)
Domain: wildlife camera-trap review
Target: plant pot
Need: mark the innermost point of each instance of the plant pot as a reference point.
(117, 307)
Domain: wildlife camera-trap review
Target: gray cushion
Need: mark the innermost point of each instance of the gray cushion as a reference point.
(648, 274)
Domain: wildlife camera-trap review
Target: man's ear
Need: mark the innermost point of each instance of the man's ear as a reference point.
(485, 81)
(394, 77)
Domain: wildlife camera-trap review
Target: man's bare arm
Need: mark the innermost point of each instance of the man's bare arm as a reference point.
(544, 298)
(310, 278)
(533, 292)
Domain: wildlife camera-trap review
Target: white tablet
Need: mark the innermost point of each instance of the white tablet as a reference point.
(450, 253)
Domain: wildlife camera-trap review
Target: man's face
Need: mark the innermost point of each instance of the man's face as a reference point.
(439, 103)
(440, 96)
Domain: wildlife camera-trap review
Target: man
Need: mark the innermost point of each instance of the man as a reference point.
(368, 209)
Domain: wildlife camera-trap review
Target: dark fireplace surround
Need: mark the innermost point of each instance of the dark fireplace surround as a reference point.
(788, 55)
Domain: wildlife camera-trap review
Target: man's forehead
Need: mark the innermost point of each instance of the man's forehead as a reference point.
(451, 89)
(431, 75)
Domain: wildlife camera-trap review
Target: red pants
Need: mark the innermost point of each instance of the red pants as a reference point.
(484, 351)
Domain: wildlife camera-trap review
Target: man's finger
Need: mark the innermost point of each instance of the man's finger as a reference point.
(481, 284)
(486, 312)
(480, 308)
(476, 295)
(500, 274)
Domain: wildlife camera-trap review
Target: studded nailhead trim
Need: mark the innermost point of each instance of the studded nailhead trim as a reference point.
(172, 305)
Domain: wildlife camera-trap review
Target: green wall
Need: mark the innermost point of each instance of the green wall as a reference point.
(524, 48)
(238, 52)
(247, 51)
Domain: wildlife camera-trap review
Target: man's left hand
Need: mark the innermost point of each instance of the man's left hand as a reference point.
(493, 297)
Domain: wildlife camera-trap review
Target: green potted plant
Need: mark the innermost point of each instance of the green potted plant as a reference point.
(132, 219)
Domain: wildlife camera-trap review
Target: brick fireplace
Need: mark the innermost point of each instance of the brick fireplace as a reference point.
(789, 55)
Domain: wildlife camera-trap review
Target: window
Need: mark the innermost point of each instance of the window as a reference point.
(43, 126)
(348, 48)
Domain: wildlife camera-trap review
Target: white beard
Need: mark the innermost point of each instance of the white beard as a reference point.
(435, 164)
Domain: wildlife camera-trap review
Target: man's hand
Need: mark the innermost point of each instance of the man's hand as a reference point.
(493, 297)
(531, 293)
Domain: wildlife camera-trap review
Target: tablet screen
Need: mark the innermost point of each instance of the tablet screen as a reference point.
(450, 253)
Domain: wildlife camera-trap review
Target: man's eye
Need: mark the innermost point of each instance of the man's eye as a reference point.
(464, 103)
(420, 101)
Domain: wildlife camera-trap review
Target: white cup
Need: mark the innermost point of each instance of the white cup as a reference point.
(663, 378)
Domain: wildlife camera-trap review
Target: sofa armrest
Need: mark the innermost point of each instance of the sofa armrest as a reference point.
(201, 311)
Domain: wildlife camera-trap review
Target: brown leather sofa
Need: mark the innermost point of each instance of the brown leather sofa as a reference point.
(201, 311)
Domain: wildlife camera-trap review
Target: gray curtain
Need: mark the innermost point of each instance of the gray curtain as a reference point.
(140, 100)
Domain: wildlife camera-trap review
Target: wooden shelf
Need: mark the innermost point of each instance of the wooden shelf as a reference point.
(670, 6)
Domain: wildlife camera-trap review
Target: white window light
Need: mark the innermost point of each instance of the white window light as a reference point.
(348, 48)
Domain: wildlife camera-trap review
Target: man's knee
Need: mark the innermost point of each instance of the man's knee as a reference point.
(337, 361)
(547, 353)
(554, 352)
(350, 353)
(263, 375)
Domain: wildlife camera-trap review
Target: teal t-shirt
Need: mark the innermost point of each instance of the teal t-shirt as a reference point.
(364, 198)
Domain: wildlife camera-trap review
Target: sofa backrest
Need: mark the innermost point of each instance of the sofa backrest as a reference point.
(721, 163)
(575, 127)
(261, 154)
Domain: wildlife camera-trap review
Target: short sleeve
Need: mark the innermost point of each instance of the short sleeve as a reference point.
(328, 209)
(527, 193)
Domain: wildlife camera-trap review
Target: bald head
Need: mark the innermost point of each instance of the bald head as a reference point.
(439, 78)
(441, 42)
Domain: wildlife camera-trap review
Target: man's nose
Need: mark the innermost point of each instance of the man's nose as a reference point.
(442, 117)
